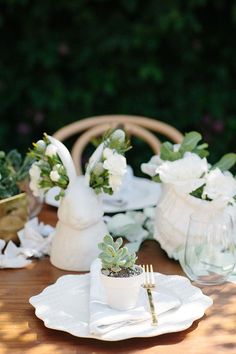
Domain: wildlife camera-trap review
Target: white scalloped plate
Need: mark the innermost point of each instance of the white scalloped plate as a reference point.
(144, 193)
(65, 306)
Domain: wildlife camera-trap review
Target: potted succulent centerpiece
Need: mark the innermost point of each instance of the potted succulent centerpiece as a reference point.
(14, 210)
(80, 226)
(120, 276)
(189, 185)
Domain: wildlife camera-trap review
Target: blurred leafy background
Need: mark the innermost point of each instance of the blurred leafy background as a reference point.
(69, 59)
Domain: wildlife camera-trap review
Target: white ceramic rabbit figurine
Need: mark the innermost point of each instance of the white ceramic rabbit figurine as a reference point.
(80, 225)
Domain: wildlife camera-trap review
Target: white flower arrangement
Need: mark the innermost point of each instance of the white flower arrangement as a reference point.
(185, 166)
(107, 165)
(104, 172)
(48, 170)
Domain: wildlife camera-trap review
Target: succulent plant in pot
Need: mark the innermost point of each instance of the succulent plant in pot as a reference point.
(13, 201)
(121, 277)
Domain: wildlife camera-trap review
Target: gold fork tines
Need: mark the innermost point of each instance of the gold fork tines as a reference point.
(149, 283)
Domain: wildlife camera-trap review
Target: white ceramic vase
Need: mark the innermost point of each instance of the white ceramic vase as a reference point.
(172, 217)
(122, 293)
(80, 225)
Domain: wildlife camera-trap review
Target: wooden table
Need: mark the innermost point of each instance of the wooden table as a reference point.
(22, 332)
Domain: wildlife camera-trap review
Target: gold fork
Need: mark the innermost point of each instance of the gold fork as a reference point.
(149, 284)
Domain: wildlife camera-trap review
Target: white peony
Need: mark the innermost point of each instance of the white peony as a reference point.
(187, 173)
(150, 167)
(115, 182)
(220, 185)
(54, 175)
(51, 150)
(115, 164)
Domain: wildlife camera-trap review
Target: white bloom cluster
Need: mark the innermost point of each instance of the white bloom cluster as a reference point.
(107, 165)
(46, 171)
(187, 173)
(192, 172)
(220, 186)
(35, 178)
(150, 167)
(116, 166)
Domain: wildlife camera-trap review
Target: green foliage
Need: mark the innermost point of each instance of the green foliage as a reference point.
(189, 144)
(13, 170)
(114, 257)
(116, 141)
(100, 183)
(66, 60)
(226, 162)
(47, 165)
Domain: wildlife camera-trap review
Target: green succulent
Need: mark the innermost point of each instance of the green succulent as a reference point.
(114, 257)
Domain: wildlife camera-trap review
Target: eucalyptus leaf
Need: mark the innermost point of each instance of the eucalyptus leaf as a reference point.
(168, 154)
(166, 150)
(190, 141)
(201, 153)
(226, 162)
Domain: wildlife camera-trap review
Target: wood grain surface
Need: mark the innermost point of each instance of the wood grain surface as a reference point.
(22, 332)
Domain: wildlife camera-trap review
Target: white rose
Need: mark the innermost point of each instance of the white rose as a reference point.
(51, 150)
(220, 185)
(150, 167)
(187, 173)
(54, 175)
(115, 164)
(115, 182)
(118, 135)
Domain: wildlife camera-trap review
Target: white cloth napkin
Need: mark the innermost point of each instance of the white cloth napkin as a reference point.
(104, 319)
(35, 241)
(36, 238)
(12, 257)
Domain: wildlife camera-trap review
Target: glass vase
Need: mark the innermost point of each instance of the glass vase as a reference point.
(210, 249)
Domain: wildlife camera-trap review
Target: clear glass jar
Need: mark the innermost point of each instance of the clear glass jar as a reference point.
(210, 249)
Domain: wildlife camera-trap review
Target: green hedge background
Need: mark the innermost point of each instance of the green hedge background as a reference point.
(69, 59)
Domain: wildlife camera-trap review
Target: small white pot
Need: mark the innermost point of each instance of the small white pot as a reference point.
(122, 293)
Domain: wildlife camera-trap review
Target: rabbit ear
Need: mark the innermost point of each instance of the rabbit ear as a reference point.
(66, 159)
(93, 160)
